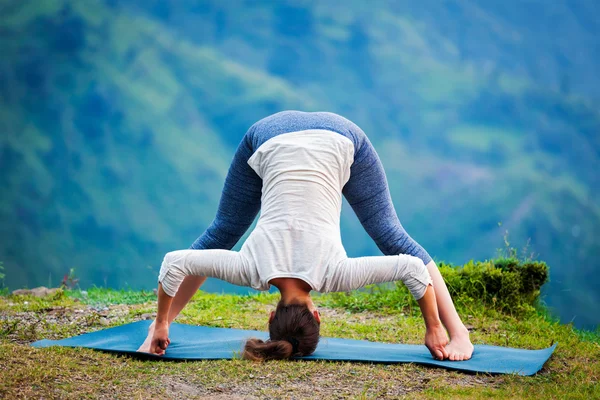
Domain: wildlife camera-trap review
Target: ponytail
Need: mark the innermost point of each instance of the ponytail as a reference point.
(293, 331)
(258, 350)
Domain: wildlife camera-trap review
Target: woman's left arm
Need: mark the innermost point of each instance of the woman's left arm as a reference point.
(436, 338)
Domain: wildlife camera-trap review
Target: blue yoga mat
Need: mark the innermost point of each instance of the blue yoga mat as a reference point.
(205, 343)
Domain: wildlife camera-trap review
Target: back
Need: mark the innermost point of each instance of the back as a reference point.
(298, 232)
(303, 174)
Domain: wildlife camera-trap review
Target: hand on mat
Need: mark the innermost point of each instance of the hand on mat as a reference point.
(145, 347)
(160, 340)
(436, 340)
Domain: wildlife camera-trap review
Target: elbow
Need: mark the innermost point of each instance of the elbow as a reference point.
(420, 279)
(424, 273)
(171, 273)
(419, 292)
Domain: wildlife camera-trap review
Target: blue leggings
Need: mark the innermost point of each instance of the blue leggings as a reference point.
(367, 190)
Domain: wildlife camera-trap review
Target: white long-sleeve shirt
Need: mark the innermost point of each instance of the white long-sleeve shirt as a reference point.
(298, 232)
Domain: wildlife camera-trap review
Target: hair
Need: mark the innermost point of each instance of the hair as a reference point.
(294, 327)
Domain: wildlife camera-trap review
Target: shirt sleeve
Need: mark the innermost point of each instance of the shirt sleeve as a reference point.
(221, 264)
(354, 273)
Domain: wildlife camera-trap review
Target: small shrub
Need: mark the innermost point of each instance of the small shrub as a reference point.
(507, 264)
(505, 284)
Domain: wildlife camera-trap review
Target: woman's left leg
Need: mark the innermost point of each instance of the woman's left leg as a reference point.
(368, 193)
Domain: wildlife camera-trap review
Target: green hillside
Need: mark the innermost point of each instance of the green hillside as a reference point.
(119, 120)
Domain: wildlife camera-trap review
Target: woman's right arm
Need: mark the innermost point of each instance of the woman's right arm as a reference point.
(176, 266)
(160, 339)
(238, 207)
(226, 265)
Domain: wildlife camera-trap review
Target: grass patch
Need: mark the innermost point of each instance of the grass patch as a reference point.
(33, 303)
(102, 296)
(379, 314)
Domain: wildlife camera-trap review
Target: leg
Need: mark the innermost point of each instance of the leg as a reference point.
(239, 205)
(369, 196)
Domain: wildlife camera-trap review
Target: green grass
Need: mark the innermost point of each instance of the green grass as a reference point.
(102, 296)
(572, 371)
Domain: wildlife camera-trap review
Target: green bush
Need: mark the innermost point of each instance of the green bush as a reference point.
(505, 284)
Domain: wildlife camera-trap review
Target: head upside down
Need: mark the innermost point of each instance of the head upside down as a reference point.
(293, 331)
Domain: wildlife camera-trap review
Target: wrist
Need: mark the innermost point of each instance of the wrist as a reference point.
(433, 323)
(162, 322)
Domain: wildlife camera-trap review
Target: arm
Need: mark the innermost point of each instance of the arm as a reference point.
(238, 207)
(435, 335)
(176, 266)
(448, 314)
(160, 339)
(226, 265)
(353, 273)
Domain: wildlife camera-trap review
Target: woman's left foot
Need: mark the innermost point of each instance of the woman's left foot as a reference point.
(459, 348)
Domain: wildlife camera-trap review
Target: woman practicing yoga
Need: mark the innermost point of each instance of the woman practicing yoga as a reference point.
(293, 167)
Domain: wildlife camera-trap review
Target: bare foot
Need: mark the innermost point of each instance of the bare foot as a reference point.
(145, 347)
(459, 348)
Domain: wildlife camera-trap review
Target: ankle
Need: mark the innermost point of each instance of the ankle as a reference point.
(461, 333)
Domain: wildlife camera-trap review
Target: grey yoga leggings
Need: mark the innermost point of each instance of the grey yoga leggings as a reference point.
(367, 190)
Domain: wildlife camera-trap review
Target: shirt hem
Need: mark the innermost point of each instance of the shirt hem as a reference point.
(289, 275)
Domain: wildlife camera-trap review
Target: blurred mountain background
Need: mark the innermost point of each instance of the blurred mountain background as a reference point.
(118, 121)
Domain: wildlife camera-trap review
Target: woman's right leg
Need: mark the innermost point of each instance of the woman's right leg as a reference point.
(368, 193)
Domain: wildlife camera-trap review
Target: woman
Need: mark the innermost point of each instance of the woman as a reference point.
(294, 167)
